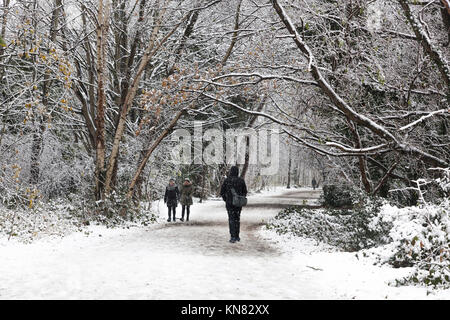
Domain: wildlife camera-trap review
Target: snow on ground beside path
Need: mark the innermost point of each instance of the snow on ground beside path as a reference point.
(343, 275)
(191, 261)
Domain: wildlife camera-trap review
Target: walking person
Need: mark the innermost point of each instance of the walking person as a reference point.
(314, 183)
(171, 198)
(186, 198)
(233, 184)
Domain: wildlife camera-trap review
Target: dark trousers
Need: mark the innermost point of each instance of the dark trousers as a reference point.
(183, 209)
(234, 221)
(174, 210)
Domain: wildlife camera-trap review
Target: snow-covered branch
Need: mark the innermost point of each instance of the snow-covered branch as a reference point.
(431, 114)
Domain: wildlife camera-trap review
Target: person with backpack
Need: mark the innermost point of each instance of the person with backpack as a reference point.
(186, 198)
(234, 192)
(171, 198)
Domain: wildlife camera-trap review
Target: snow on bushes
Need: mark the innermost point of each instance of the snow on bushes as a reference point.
(420, 240)
(59, 217)
(444, 181)
(117, 210)
(348, 230)
(336, 196)
(416, 237)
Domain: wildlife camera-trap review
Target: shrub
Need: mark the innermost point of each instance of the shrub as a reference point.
(117, 210)
(55, 218)
(348, 230)
(414, 236)
(421, 240)
(335, 196)
(62, 216)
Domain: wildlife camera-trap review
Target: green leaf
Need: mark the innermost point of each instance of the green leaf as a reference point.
(2, 42)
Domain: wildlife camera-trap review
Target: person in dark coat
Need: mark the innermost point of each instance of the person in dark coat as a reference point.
(234, 213)
(314, 183)
(186, 198)
(171, 198)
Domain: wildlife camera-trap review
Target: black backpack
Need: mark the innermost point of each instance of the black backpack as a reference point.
(237, 200)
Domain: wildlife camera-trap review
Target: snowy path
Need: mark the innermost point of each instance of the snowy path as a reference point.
(191, 261)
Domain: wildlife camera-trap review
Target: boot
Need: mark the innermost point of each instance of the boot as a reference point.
(187, 216)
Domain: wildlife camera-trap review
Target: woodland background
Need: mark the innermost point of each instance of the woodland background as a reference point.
(91, 90)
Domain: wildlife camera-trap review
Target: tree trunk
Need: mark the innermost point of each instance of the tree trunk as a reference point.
(289, 169)
(102, 29)
(202, 196)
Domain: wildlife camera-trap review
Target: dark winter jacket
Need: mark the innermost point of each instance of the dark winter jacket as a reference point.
(172, 196)
(186, 194)
(233, 181)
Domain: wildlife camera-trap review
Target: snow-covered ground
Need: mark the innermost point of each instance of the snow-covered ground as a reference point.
(194, 261)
